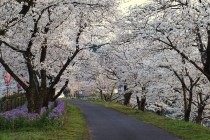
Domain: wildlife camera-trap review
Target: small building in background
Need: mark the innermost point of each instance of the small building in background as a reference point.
(81, 94)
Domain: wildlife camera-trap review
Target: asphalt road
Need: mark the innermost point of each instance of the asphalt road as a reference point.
(108, 124)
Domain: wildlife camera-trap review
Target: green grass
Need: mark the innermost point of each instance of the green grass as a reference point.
(184, 130)
(74, 128)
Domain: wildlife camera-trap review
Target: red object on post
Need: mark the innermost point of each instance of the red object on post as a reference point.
(19, 87)
(7, 79)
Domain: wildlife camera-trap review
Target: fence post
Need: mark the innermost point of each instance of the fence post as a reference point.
(15, 102)
(0, 106)
(21, 100)
(19, 103)
(10, 104)
(7, 105)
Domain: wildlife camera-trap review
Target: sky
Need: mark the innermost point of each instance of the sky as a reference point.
(132, 2)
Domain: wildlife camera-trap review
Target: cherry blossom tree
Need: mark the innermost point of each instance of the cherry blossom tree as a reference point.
(40, 39)
(181, 28)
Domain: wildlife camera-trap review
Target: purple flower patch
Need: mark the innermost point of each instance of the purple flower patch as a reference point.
(57, 111)
(22, 112)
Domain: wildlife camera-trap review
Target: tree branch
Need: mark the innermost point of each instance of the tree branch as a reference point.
(10, 71)
(12, 47)
(60, 92)
(184, 56)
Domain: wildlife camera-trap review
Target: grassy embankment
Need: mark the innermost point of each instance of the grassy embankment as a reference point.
(74, 128)
(184, 130)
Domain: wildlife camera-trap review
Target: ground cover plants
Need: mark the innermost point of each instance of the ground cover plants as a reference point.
(19, 117)
(73, 128)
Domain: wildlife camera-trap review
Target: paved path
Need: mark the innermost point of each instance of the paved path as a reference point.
(108, 124)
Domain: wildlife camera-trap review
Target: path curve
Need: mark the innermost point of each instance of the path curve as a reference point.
(107, 124)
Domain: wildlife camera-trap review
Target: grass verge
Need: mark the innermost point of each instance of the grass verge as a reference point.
(74, 128)
(184, 130)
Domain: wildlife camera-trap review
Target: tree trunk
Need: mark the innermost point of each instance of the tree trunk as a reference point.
(187, 110)
(143, 103)
(30, 104)
(105, 97)
(200, 113)
(48, 97)
(187, 115)
(127, 97)
(138, 103)
(43, 88)
(51, 94)
(38, 106)
(207, 64)
(31, 99)
(101, 94)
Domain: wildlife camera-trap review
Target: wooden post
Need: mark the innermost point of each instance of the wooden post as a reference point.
(138, 103)
(18, 101)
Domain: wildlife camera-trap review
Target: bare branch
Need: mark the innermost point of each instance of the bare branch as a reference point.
(12, 47)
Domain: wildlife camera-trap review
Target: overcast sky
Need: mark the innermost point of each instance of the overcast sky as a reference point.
(131, 2)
